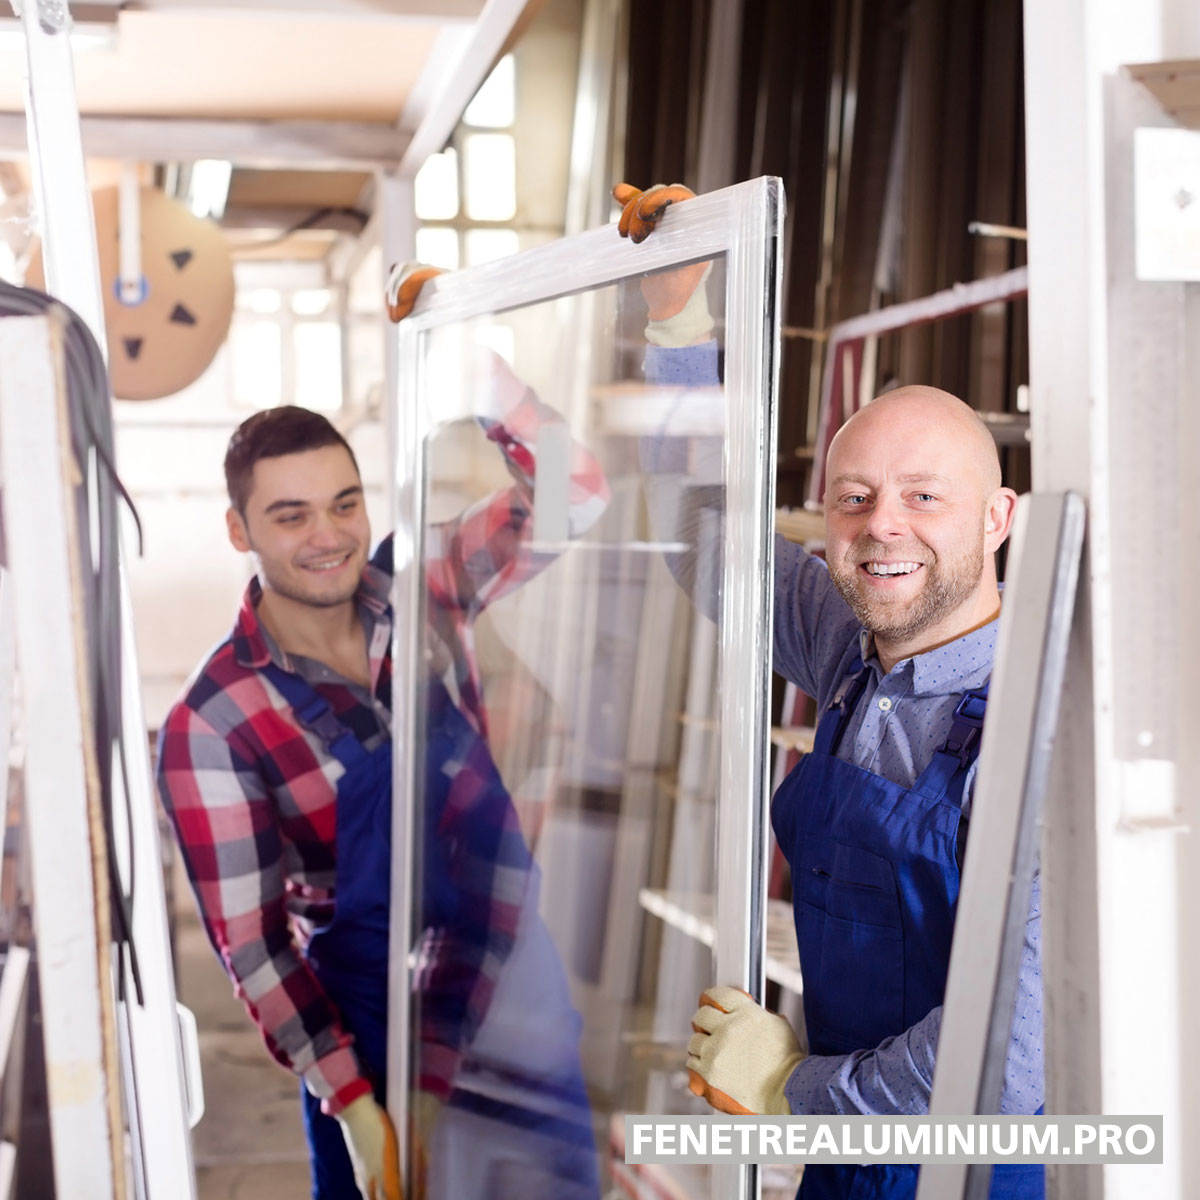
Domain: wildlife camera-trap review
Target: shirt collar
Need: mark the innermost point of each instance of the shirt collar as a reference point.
(956, 666)
(253, 647)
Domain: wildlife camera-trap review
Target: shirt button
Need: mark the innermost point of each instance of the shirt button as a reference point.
(885, 704)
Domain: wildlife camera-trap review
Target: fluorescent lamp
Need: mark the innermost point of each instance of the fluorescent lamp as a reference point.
(208, 187)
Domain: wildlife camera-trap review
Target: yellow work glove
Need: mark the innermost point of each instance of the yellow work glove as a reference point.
(404, 284)
(374, 1153)
(676, 300)
(423, 1119)
(740, 1056)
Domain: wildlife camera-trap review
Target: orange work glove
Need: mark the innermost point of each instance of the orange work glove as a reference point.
(740, 1056)
(676, 300)
(640, 211)
(405, 281)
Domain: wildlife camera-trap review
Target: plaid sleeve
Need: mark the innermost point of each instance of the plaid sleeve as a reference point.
(484, 553)
(473, 906)
(229, 837)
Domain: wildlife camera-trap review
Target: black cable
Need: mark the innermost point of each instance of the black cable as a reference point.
(90, 417)
(311, 221)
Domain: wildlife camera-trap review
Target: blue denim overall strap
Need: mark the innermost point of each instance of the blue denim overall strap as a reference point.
(349, 956)
(875, 882)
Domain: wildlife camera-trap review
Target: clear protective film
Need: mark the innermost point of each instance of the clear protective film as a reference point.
(581, 695)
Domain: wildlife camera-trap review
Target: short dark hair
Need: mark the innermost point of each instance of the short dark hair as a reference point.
(272, 433)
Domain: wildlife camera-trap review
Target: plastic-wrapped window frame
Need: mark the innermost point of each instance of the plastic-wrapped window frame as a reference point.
(744, 224)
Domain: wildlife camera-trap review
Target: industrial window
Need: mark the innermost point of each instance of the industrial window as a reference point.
(466, 197)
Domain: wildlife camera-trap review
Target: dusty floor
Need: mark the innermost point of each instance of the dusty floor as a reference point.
(249, 1144)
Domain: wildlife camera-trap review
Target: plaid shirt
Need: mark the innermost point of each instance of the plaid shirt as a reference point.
(252, 794)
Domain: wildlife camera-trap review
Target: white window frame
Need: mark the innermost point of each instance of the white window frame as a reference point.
(744, 224)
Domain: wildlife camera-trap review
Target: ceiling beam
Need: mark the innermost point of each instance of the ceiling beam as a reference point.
(458, 63)
(441, 11)
(309, 145)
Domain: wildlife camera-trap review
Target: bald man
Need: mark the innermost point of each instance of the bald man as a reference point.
(894, 637)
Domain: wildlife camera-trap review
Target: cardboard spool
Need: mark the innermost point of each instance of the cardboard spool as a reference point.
(159, 345)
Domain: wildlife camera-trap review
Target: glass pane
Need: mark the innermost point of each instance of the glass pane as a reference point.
(495, 104)
(365, 294)
(257, 363)
(261, 300)
(364, 345)
(311, 302)
(490, 183)
(438, 247)
(317, 346)
(435, 189)
(487, 245)
(567, 798)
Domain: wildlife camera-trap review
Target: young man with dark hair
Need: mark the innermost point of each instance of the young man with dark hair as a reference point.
(275, 764)
(273, 433)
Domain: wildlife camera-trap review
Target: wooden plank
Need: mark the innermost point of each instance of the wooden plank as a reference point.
(1175, 85)
(74, 939)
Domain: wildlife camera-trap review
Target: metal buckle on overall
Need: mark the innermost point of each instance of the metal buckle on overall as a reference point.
(849, 680)
(967, 726)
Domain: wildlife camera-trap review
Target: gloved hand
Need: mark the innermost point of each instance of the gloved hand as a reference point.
(374, 1152)
(640, 211)
(404, 284)
(423, 1118)
(740, 1056)
(676, 301)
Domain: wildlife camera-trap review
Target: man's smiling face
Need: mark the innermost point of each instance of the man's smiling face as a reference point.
(910, 516)
(306, 523)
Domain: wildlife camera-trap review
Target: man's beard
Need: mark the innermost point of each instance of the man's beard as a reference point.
(947, 586)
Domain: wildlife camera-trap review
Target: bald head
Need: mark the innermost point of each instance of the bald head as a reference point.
(914, 510)
(917, 413)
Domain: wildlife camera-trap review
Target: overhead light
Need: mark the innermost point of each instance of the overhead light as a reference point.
(208, 187)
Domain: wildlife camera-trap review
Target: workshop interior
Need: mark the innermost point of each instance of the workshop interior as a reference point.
(569, 508)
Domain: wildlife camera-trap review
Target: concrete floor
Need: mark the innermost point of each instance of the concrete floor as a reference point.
(249, 1144)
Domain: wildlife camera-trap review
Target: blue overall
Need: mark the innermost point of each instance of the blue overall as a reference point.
(875, 879)
(349, 957)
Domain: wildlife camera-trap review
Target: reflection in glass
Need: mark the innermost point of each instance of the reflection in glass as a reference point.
(566, 805)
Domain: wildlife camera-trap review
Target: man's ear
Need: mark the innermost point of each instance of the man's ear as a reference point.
(998, 520)
(235, 523)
